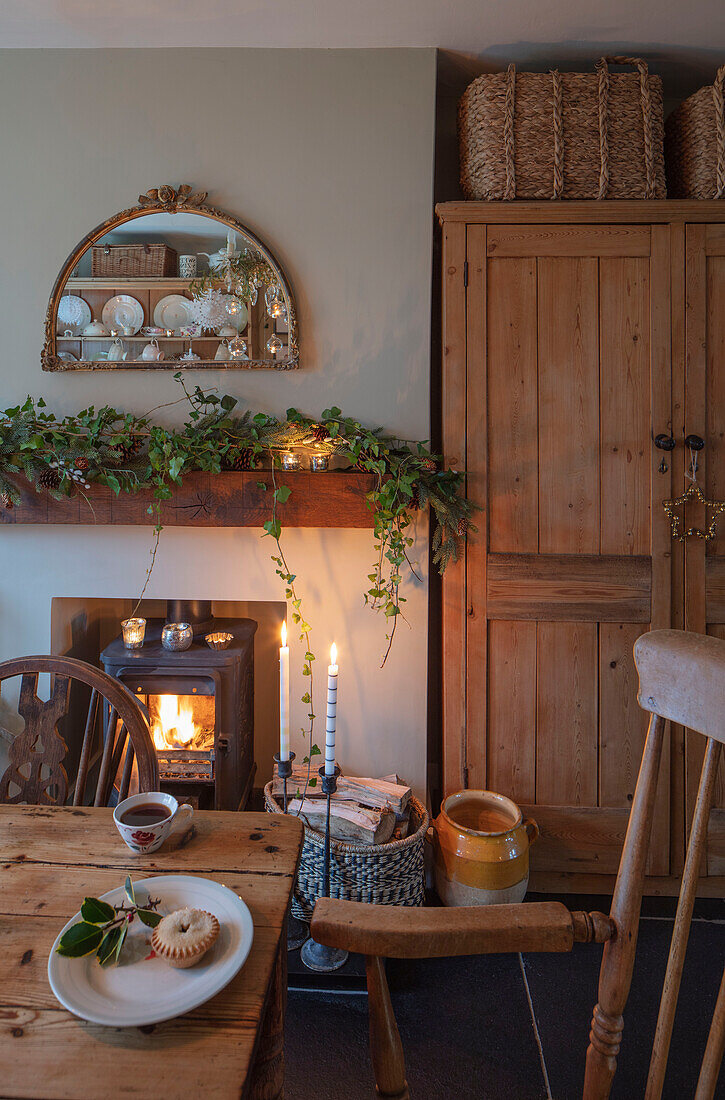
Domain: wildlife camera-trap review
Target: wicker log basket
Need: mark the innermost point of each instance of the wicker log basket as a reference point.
(563, 135)
(384, 874)
(695, 144)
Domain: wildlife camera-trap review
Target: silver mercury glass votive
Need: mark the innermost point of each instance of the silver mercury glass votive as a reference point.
(177, 636)
(290, 461)
(134, 631)
(320, 462)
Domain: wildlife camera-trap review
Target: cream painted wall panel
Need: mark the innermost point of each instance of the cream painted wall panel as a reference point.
(328, 156)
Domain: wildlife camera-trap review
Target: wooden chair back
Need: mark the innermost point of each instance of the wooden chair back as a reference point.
(37, 773)
(681, 679)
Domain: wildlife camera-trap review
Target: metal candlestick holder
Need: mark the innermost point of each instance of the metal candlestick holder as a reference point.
(297, 930)
(315, 955)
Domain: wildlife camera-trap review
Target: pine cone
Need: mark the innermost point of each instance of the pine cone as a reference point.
(82, 463)
(320, 433)
(7, 502)
(463, 525)
(132, 447)
(428, 465)
(241, 458)
(49, 479)
(415, 499)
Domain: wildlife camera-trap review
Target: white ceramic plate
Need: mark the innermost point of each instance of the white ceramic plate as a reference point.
(73, 313)
(140, 990)
(172, 312)
(122, 312)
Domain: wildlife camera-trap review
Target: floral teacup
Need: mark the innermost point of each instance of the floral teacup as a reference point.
(146, 820)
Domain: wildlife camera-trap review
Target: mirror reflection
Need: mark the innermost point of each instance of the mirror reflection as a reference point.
(173, 289)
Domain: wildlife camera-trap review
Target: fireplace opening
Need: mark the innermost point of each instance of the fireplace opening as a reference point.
(199, 703)
(181, 721)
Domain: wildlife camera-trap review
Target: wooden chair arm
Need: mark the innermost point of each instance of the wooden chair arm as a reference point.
(394, 931)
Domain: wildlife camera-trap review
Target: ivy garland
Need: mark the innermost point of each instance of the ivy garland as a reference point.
(125, 452)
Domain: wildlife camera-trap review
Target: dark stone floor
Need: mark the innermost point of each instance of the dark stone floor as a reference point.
(505, 1027)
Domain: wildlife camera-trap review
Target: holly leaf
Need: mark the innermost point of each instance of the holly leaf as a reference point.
(108, 945)
(94, 911)
(129, 890)
(79, 940)
(149, 917)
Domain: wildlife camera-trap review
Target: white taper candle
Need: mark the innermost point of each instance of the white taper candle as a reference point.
(331, 712)
(284, 696)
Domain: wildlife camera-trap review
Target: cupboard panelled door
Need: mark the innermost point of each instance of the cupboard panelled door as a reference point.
(704, 415)
(568, 369)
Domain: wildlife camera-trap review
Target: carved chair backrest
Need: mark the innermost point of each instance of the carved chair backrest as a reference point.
(38, 755)
(681, 679)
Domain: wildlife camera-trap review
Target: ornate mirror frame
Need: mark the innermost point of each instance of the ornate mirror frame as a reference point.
(168, 200)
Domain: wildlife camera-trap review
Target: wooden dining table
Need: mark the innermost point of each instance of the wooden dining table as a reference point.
(231, 1046)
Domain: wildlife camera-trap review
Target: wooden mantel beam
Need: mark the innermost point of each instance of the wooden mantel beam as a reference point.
(334, 498)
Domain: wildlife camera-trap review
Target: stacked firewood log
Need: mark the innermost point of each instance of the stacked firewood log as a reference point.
(362, 811)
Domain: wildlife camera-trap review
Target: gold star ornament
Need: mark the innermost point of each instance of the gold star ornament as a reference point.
(679, 532)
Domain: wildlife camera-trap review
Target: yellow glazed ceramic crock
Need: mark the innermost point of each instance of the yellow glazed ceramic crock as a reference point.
(481, 849)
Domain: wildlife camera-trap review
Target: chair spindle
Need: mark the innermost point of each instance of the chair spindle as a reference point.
(683, 919)
(80, 787)
(618, 959)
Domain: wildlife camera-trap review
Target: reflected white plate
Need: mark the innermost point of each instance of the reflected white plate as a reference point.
(140, 990)
(73, 313)
(172, 312)
(122, 312)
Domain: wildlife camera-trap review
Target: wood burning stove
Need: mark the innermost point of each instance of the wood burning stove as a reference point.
(200, 705)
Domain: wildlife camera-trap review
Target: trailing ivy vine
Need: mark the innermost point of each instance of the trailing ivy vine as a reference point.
(63, 457)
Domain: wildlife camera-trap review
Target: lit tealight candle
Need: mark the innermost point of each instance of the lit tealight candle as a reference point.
(284, 696)
(134, 631)
(331, 712)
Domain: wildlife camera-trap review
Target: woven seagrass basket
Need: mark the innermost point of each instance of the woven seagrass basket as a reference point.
(385, 874)
(563, 135)
(146, 260)
(695, 144)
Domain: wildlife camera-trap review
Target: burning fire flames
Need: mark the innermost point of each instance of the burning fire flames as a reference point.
(173, 725)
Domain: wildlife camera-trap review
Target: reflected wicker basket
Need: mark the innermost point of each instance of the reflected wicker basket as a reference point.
(129, 260)
(384, 874)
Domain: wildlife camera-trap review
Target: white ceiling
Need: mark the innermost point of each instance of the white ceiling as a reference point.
(682, 40)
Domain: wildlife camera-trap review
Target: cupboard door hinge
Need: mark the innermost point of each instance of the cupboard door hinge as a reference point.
(465, 272)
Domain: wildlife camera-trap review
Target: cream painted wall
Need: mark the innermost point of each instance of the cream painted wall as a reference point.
(328, 155)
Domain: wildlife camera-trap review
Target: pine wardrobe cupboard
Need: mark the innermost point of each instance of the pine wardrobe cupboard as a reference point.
(573, 335)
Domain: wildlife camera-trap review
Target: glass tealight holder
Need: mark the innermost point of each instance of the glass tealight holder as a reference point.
(320, 462)
(291, 461)
(134, 631)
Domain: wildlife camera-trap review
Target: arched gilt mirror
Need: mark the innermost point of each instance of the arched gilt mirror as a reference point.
(171, 283)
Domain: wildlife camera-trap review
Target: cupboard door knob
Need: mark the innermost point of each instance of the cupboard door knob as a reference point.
(694, 442)
(665, 442)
